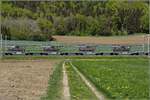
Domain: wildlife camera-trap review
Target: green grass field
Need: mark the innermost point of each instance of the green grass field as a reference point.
(118, 78)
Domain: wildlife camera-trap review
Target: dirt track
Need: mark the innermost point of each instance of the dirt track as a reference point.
(137, 39)
(66, 92)
(24, 80)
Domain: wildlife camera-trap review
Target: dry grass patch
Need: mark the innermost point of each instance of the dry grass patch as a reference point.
(27, 80)
(135, 39)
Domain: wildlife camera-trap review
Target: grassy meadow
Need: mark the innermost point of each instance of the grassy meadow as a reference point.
(118, 78)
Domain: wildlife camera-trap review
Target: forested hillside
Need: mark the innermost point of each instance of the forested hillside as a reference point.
(39, 20)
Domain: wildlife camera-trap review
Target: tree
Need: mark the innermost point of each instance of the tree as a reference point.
(111, 17)
(45, 25)
(92, 26)
(59, 25)
(22, 29)
(145, 19)
(105, 24)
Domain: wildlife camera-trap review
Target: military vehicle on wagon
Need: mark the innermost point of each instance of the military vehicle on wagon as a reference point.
(50, 50)
(121, 49)
(85, 49)
(14, 50)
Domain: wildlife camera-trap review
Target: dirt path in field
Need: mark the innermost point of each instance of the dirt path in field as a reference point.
(66, 92)
(99, 95)
(24, 80)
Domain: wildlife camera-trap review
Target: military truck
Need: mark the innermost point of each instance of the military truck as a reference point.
(87, 49)
(14, 50)
(50, 50)
(121, 49)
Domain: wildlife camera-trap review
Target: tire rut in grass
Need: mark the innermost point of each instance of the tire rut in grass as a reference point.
(99, 95)
(78, 89)
(66, 92)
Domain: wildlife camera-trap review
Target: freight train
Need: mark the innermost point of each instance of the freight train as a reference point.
(81, 50)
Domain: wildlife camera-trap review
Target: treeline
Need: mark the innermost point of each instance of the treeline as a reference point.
(39, 20)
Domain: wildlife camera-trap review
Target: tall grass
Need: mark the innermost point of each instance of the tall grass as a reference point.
(54, 91)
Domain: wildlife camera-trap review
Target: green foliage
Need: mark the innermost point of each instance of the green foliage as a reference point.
(118, 78)
(97, 18)
(105, 26)
(20, 29)
(45, 25)
(60, 28)
(92, 26)
(8, 10)
(38, 37)
(145, 19)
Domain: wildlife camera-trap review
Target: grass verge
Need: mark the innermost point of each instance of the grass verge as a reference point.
(54, 91)
(22, 57)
